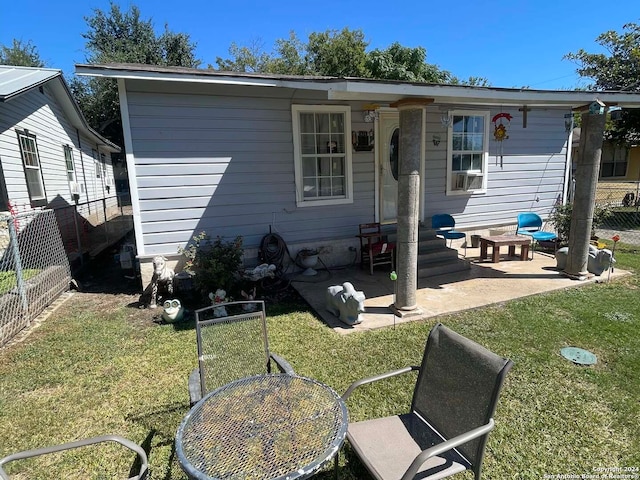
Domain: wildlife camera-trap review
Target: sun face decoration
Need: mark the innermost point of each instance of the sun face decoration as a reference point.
(500, 123)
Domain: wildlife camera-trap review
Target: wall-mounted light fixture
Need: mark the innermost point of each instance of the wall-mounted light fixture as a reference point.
(436, 140)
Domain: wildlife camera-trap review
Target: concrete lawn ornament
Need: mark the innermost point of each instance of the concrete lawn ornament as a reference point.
(216, 298)
(598, 260)
(172, 311)
(162, 279)
(345, 303)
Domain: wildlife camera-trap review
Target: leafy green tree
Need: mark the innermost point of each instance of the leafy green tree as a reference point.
(20, 54)
(404, 63)
(251, 59)
(338, 54)
(618, 69)
(117, 36)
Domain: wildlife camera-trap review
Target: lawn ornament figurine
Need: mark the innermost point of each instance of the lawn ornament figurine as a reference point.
(161, 280)
(172, 311)
(249, 307)
(218, 298)
(598, 260)
(345, 303)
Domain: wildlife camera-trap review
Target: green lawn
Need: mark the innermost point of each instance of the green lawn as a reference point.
(97, 366)
(8, 279)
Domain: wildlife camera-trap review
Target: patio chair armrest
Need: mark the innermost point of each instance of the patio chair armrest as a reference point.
(375, 378)
(446, 446)
(283, 365)
(142, 455)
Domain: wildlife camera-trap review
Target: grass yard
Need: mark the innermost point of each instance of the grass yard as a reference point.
(9, 281)
(98, 366)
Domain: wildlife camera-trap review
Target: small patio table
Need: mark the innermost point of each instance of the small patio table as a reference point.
(274, 426)
(504, 240)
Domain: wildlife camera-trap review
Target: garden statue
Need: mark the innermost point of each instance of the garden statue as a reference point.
(598, 260)
(173, 311)
(218, 298)
(162, 279)
(259, 272)
(249, 307)
(345, 303)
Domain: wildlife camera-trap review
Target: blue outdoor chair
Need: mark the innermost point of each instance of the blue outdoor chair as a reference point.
(530, 224)
(445, 227)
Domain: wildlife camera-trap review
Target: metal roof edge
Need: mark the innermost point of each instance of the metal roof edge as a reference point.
(353, 88)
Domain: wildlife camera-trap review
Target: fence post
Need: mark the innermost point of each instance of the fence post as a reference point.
(106, 223)
(75, 222)
(22, 291)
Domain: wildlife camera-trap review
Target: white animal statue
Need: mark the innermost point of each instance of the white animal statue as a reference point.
(162, 278)
(598, 261)
(261, 271)
(249, 307)
(219, 297)
(345, 303)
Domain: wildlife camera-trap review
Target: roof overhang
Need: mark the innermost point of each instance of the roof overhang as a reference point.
(368, 90)
(19, 80)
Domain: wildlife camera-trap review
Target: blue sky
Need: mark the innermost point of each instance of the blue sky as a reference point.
(513, 43)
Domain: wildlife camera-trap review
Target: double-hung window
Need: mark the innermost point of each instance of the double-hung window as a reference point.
(322, 152)
(32, 171)
(68, 158)
(468, 152)
(614, 161)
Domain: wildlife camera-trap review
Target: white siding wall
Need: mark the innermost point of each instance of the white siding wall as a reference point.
(43, 117)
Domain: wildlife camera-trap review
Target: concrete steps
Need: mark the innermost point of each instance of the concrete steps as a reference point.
(435, 257)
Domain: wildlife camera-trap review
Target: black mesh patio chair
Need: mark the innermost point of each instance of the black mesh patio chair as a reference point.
(451, 414)
(232, 343)
(141, 454)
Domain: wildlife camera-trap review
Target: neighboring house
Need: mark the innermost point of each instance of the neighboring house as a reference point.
(49, 156)
(310, 158)
(619, 171)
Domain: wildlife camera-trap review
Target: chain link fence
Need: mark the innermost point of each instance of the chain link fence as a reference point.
(622, 201)
(34, 269)
(88, 228)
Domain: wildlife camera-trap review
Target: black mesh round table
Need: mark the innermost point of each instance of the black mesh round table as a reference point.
(262, 427)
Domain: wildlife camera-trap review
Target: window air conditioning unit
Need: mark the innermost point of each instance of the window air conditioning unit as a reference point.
(469, 181)
(75, 188)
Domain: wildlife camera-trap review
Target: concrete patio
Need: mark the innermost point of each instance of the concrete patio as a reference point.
(484, 284)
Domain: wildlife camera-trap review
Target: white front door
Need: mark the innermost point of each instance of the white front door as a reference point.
(387, 158)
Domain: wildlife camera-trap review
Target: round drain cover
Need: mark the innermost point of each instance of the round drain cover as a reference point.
(579, 356)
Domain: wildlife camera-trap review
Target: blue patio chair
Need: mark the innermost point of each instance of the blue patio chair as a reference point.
(445, 227)
(530, 224)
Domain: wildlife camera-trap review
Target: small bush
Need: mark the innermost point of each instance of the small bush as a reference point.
(560, 218)
(213, 263)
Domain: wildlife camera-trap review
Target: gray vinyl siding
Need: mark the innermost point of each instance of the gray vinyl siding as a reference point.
(530, 176)
(41, 114)
(220, 160)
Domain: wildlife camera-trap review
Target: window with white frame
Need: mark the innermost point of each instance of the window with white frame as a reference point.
(32, 171)
(322, 152)
(614, 161)
(468, 152)
(68, 158)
